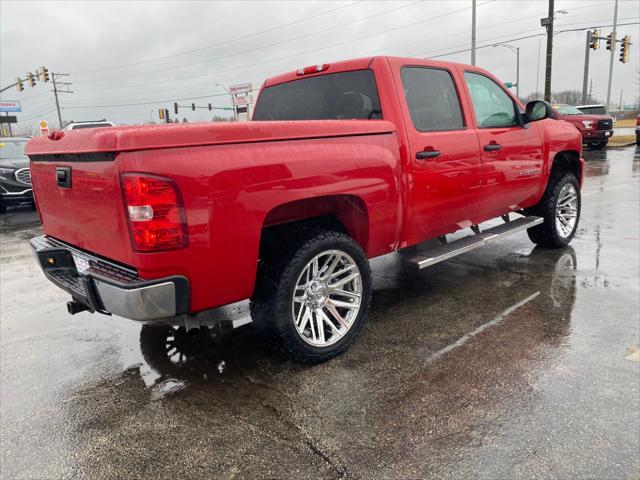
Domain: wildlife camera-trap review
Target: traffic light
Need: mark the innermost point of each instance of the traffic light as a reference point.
(166, 115)
(624, 49)
(609, 41)
(161, 114)
(31, 79)
(595, 39)
(175, 108)
(44, 74)
(193, 107)
(19, 85)
(210, 107)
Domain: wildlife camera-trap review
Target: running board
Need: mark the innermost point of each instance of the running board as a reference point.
(440, 253)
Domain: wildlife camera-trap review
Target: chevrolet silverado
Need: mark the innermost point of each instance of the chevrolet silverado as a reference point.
(342, 162)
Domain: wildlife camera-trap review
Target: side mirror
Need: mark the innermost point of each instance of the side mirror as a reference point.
(538, 110)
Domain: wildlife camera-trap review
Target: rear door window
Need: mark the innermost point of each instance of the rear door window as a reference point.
(336, 96)
(432, 99)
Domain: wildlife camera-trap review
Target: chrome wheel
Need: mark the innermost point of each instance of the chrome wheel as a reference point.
(327, 298)
(566, 210)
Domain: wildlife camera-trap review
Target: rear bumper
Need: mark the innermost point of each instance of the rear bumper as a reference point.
(105, 287)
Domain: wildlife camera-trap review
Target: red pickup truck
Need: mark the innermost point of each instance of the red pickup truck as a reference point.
(343, 162)
(596, 129)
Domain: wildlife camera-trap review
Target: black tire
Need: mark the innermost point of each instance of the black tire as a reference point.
(3, 207)
(271, 304)
(546, 234)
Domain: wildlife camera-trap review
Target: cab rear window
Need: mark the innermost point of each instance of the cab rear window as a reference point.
(336, 96)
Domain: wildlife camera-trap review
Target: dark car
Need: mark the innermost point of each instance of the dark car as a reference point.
(15, 176)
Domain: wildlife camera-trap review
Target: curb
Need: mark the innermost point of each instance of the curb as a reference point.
(624, 145)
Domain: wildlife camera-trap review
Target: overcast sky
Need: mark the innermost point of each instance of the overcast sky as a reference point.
(152, 53)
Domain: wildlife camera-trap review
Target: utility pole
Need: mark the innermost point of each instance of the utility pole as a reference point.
(590, 90)
(585, 77)
(55, 94)
(549, 60)
(613, 53)
(56, 91)
(473, 32)
(620, 107)
(538, 71)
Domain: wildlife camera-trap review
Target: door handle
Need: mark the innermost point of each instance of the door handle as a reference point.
(423, 155)
(492, 147)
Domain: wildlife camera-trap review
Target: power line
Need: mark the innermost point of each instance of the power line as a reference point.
(151, 102)
(288, 56)
(262, 47)
(528, 18)
(38, 115)
(226, 42)
(524, 38)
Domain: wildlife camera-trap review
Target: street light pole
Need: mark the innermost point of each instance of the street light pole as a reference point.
(473, 32)
(233, 103)
(515, 50)
(518, 72)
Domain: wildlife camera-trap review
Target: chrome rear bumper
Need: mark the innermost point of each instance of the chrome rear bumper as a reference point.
(106, 287)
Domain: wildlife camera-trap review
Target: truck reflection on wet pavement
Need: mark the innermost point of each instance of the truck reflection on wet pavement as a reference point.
(507, 362)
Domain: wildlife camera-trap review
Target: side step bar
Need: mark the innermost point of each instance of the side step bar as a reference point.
(440, 253)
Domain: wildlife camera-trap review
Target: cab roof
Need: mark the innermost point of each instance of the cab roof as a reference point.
(355, 64)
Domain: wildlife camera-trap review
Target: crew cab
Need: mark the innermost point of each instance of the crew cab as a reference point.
(342, 163)
(596, 129)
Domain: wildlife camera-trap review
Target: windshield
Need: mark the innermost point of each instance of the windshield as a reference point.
(567, 110)
(12, 148)
(345, 95)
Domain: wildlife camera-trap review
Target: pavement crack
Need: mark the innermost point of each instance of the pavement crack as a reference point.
(336, 465)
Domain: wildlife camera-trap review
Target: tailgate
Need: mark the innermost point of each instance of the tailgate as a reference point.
(80, 202)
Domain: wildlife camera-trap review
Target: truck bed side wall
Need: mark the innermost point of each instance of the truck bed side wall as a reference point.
(229, 190)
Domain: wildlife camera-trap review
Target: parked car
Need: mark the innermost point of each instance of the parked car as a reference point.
(342, 163)
(638, 130)
(595, 129)
(89, 124)
(15, 177)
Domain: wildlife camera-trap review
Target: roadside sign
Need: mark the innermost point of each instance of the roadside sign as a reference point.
(8, 119)
(44, 127)
(10, 106)
(240, 88)
(240, 101)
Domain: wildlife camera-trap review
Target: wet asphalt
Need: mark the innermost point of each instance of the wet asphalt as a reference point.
(510, 362)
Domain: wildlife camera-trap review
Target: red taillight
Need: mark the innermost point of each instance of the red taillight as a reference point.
(313, 69)
(155, 212)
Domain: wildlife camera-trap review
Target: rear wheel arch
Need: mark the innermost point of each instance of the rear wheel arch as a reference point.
(345, 214)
